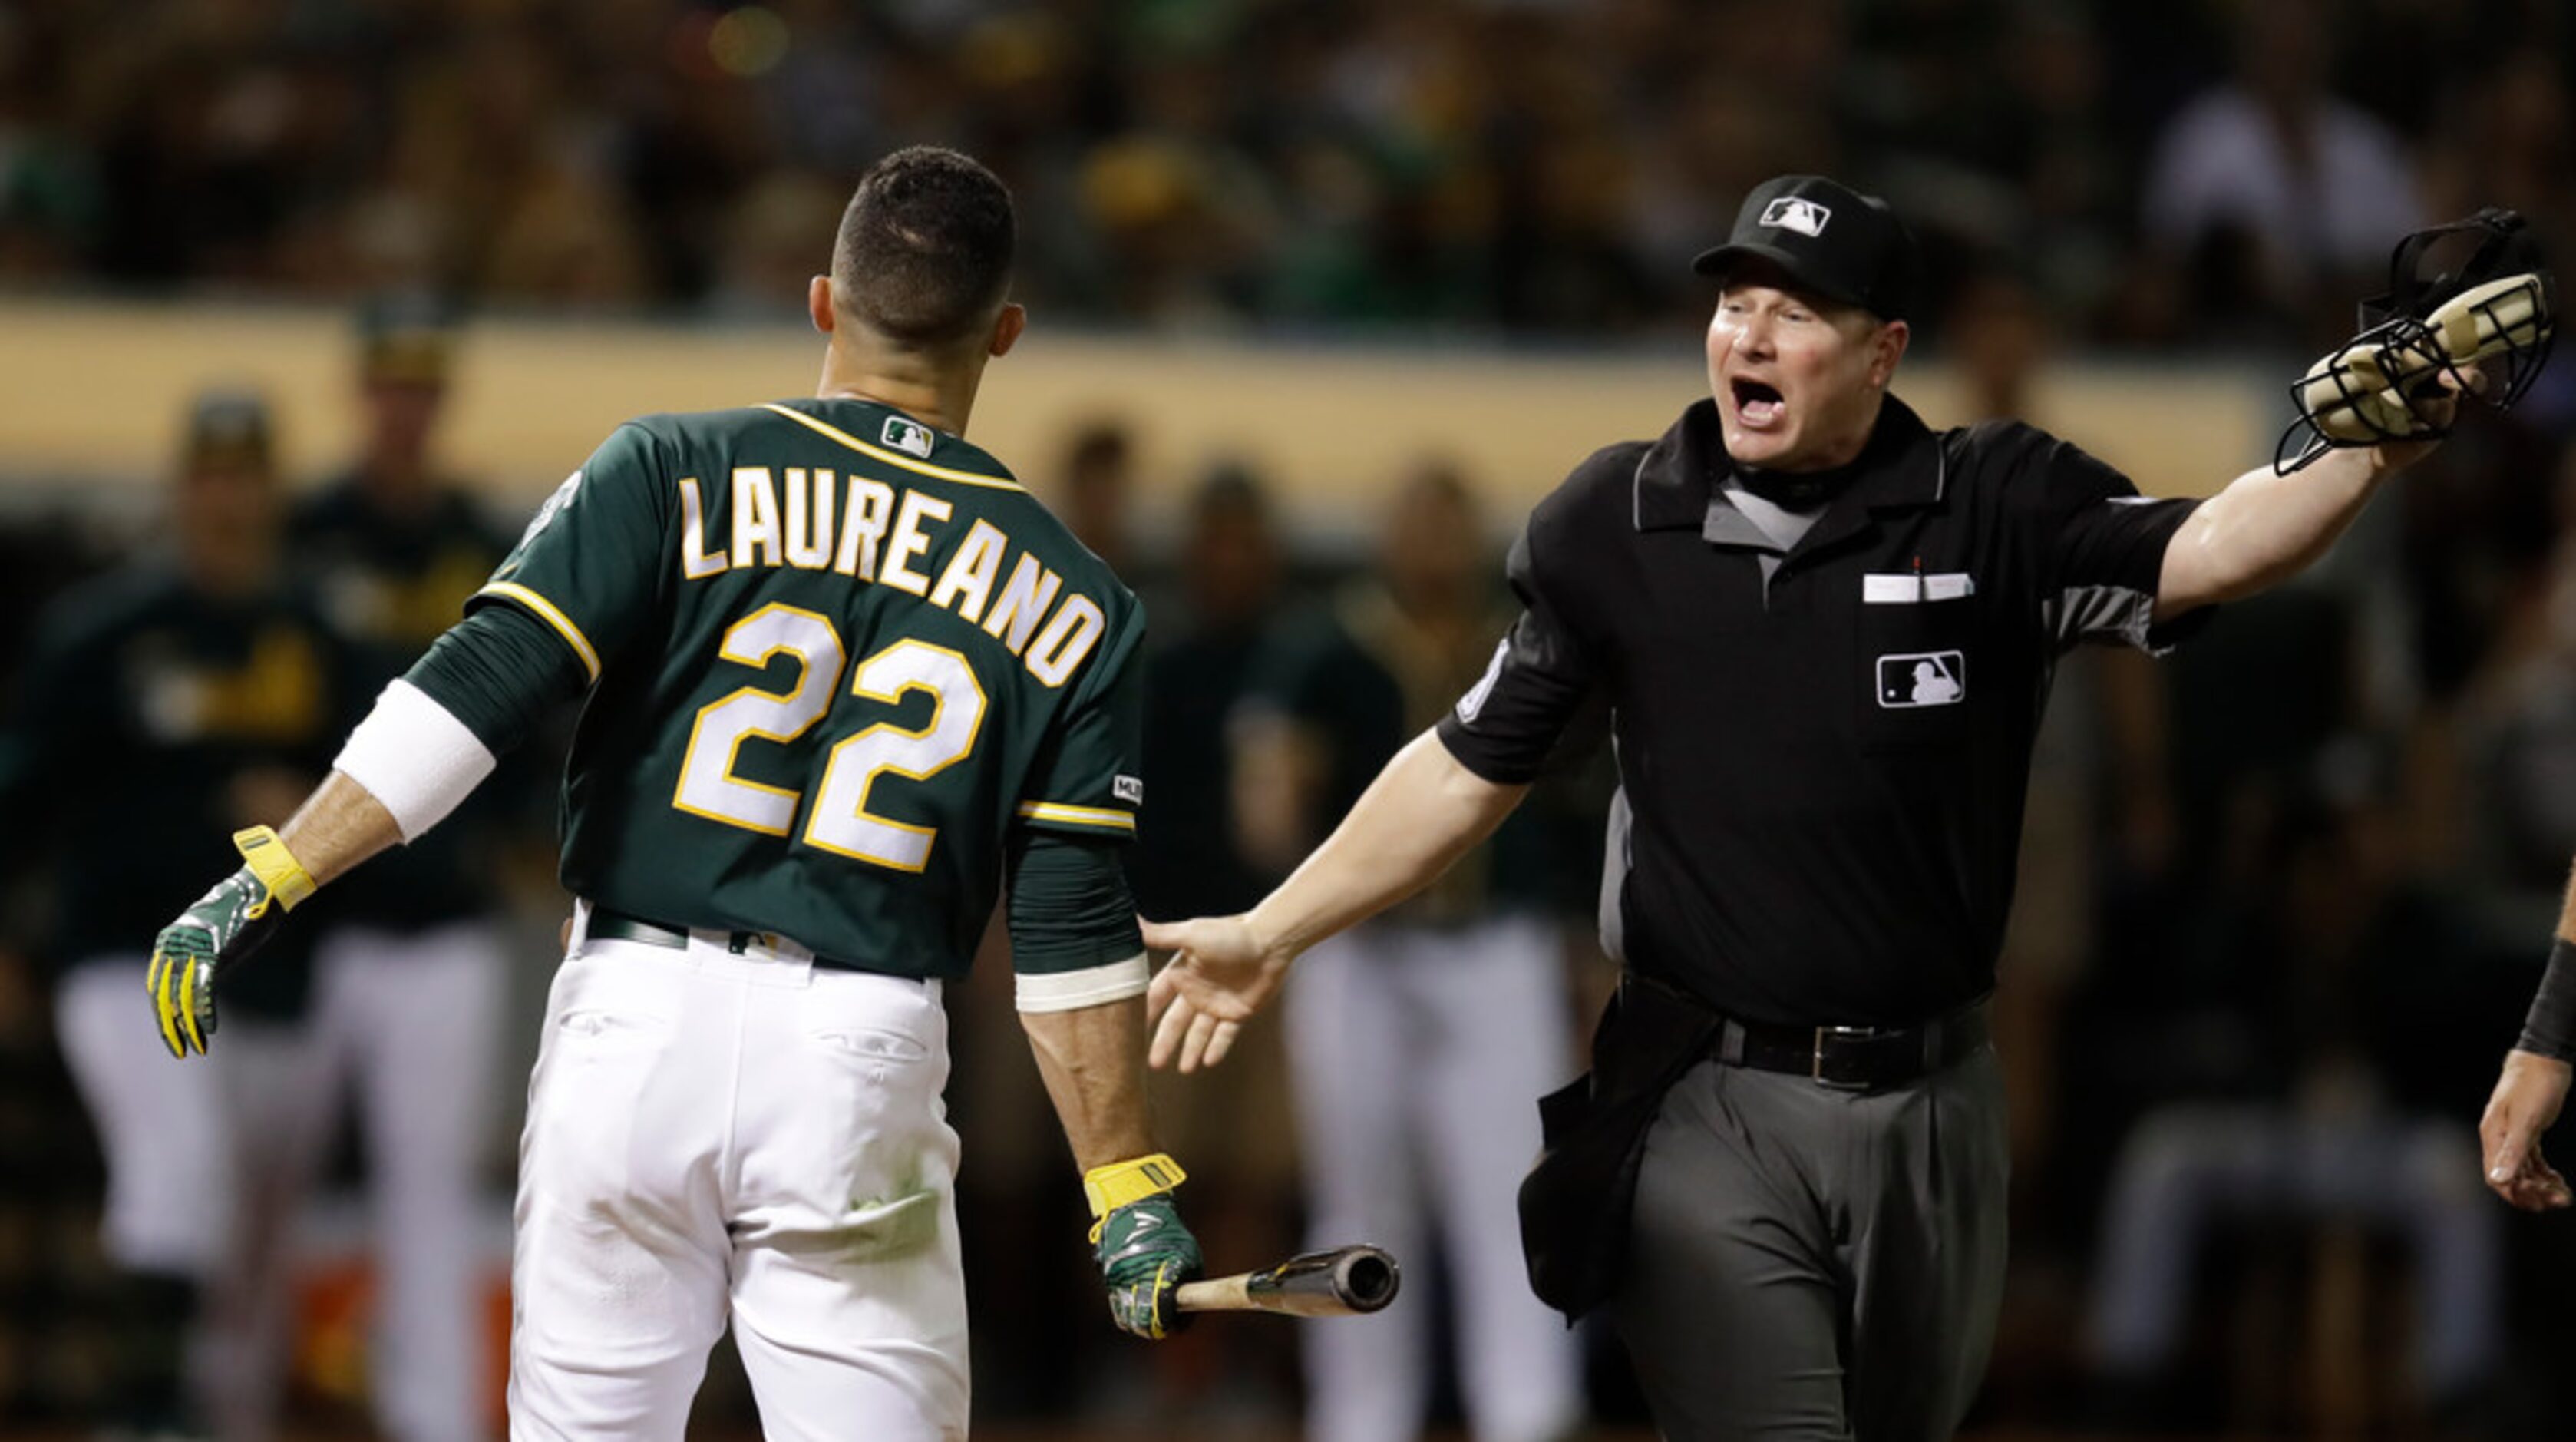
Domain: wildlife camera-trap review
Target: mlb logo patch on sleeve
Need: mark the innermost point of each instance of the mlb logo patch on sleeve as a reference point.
(908, 435)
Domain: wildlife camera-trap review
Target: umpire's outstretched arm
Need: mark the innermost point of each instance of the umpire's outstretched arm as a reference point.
(1422, 813)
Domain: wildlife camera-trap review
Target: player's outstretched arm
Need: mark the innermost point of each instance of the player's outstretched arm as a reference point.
(337, 827)
(431, 739)
(2533, 1085)
(1422, 813)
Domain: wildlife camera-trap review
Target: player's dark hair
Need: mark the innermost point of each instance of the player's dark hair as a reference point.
(924, 254)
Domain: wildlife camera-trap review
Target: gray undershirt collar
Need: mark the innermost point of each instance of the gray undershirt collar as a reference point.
(1773, 530)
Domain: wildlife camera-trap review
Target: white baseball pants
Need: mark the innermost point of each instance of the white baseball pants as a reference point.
(408, 1023)
(714, 1136)
(1418, 1057)
(160, 1123)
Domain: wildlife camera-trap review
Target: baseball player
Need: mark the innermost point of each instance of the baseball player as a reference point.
(1409, 1036)
(181, 696)
(843, 676)
(408, 977)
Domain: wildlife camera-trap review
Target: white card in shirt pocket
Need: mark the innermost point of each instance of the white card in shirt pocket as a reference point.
(1906, 588)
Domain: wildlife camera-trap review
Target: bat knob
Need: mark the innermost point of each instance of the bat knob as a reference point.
(1368, 1278)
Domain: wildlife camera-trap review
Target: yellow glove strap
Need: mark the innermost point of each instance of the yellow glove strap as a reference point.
(1133, 1180)
(275, 866)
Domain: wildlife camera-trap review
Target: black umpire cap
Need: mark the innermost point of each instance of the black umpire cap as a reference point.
(227, 427)
(1830, 238)
(406, 338)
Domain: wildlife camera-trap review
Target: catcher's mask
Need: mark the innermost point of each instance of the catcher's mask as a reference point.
(2409, 340)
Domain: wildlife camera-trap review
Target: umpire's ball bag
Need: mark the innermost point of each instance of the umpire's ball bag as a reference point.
(1575, 1203)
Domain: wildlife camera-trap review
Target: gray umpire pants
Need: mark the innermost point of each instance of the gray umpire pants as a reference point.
(1815, 1264)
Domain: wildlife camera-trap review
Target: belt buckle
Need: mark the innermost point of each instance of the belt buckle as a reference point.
(1816, 1064)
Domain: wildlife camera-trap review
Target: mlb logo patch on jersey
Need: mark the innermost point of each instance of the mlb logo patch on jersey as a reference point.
(1803, 216)
(1922, 678)
(1128, 789)
(905, 435)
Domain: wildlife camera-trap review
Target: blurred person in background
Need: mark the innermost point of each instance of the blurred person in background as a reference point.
(2269, 201)
(1238, 1132)
(762, 270)
(410, 967)
(1413, 1040)
(1095, 491)
(166, 704)
(2362, 1004)
(1230, 577)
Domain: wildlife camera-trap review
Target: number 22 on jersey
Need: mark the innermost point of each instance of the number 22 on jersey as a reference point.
(840, 821)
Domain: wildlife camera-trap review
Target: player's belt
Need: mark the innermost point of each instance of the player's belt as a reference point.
(609, 925)
(1854, 1058)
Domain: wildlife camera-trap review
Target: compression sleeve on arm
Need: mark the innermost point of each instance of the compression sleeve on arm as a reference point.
(2550, 1029)
(497, 671)
(1074, 941)
(434, 734)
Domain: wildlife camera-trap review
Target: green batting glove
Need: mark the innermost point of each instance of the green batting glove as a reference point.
(1144, 1251)
(227, 924)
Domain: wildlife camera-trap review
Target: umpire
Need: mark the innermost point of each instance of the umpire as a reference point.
(1824, 632)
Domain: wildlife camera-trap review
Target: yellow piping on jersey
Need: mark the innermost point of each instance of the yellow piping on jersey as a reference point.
(1078, 815)
(545, 611)
(891, 458)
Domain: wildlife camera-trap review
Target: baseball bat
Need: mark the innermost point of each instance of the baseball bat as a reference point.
(1342, 1282)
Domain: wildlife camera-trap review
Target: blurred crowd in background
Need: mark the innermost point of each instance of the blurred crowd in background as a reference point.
(2284, 894)
(2152, 172)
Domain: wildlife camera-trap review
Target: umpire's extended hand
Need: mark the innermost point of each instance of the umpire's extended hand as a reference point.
(227, 924)
(2527, 1098)
(1220, 974)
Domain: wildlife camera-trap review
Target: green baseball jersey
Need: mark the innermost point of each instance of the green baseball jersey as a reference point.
(837, 656)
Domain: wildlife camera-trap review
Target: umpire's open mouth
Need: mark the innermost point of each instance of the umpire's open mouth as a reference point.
(1757, 405)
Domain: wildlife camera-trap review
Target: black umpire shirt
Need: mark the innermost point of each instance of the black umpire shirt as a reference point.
(1823, 759)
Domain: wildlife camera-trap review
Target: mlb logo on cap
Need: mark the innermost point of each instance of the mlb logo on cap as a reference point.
(1828, 238)
(1803, 216)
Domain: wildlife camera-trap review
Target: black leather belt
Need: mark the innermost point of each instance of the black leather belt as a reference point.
(1854, 1058)
(609, 925)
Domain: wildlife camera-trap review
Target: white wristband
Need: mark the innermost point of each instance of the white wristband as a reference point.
(414, 757)
(1091, 986)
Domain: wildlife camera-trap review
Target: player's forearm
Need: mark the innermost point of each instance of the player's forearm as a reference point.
(2265, 528)
(1420, 815)
(337, 827)
(1093, 1063)
(438, 732)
